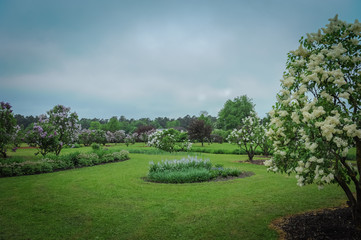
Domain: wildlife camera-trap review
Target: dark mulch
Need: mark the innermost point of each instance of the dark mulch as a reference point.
(257, 162)
(323, 224)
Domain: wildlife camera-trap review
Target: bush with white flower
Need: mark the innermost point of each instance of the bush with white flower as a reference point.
(249, 136)
(168, 140)
(317, 117)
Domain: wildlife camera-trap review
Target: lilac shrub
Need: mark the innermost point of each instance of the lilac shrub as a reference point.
(55, 130)
(168, 140)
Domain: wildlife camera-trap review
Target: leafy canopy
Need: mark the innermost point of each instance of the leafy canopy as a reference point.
(233, 112)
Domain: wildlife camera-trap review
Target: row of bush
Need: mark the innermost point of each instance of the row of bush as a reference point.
(49, 163)
(238, 151)
(188, 170)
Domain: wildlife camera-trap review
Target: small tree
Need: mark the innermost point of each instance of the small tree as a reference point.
(167, 140)
(199, 130)
(249, 136)
(54, 130)
(317, 118)
(8, 127)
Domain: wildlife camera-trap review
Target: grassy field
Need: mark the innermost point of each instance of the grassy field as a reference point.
(112, 201)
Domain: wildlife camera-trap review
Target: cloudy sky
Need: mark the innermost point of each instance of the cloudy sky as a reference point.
(151, 58)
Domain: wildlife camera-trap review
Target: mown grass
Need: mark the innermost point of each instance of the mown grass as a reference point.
(112, 201)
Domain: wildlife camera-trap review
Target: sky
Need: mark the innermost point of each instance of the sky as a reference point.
(152, 58)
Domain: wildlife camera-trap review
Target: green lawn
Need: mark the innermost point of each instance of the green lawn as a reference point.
(112, 201)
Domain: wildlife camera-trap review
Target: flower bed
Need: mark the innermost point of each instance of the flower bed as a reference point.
(188, 170)
(50, 163)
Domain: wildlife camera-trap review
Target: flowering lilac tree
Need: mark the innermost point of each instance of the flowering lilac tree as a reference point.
(130, 139)
(166, 140)
(265, 142)
(43, 136)
(249, 136)
(86, 137)
(54, 130)
(317, 117)
(119, 136)
(8, 127)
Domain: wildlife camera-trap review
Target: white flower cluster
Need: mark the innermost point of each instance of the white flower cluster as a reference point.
(316, 119)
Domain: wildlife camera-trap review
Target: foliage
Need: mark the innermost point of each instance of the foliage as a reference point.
(317, 118)
(115, 137)
(95, 146)
(249, 136)
(187, 170)
(130, 139)
(168, 140)
(143, 132)
(265, 142)
(219, 135)
(50, 163)
(233, 112)
(8, 127)
(199, 130)
(54, 130)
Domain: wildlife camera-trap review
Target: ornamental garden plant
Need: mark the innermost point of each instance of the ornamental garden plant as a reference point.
(188, 170)
(249, 136)
(52, 162)
(54, 130)
(169, 140)
(317, 117)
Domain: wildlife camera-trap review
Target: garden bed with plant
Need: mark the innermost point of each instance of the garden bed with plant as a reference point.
(17, 166)
(190, 170)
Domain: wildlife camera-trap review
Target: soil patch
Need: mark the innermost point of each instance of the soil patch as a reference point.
(257, 162)
(333, 223)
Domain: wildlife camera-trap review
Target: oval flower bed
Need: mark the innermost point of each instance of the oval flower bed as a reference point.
(189, 170)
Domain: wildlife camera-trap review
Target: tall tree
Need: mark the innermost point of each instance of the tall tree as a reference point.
(233, 112)
(7, 127)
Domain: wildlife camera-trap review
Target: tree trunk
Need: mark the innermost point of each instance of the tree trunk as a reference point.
(357, 208)
(3, 153)
(250, 156)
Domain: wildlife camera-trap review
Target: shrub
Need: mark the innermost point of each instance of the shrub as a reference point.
(88, 159)
(51, 162)
(95, 146)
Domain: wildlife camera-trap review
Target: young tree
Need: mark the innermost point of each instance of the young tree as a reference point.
(317, 118)
(168, 140)
(8, 127)
(199, 130)
(54, 130)
(233, 112)
(249, 136)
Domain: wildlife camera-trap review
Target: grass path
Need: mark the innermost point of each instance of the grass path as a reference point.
(112, 202)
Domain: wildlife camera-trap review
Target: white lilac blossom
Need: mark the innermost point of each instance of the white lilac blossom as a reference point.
(313, 132)
(251, 135)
